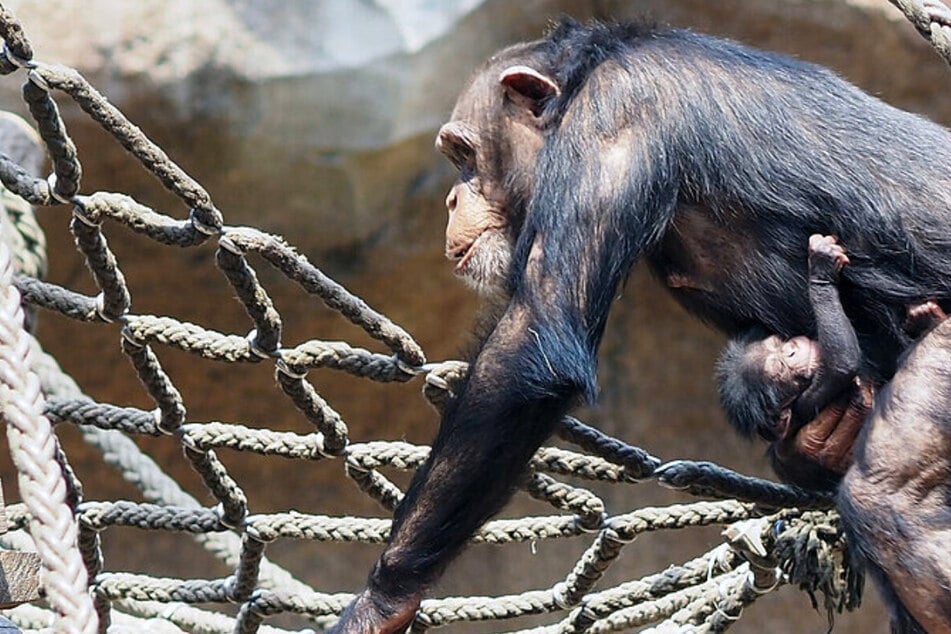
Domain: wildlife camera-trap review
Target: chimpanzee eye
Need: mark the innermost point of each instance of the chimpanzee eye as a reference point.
(457, 141)
(462, 156)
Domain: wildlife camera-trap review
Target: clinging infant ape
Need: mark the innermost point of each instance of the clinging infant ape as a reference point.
(894, 498)
(771, 387)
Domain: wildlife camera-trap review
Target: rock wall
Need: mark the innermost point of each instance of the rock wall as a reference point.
(315, 120)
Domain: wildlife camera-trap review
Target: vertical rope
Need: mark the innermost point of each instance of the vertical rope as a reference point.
(40, 479)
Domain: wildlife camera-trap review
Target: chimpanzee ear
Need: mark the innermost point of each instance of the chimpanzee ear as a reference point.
(782, 425)
(528, 88)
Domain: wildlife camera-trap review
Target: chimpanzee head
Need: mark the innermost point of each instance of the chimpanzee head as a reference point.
(760, 378)
(493, 138)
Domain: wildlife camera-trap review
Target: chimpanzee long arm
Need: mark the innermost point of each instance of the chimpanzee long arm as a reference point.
(840, 354)
(539, 360)
(515, 393)
(479, 452)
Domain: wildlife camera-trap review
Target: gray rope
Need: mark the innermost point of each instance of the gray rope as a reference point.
(932, 19)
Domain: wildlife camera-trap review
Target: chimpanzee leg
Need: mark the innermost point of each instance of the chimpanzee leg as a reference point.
(854, 515)
(901, 620)
(894, 500)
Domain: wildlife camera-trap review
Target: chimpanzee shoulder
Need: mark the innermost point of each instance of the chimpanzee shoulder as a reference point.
(575, 49)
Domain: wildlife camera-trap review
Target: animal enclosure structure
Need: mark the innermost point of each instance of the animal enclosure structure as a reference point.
(773, 534)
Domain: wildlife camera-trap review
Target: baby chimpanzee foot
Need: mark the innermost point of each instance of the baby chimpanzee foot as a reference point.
(923, 317)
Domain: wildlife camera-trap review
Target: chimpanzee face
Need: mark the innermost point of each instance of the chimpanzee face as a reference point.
(478, 238)
(788, 365)
(493, 141)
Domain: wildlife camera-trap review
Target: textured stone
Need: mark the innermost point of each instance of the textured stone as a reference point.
(315, 120)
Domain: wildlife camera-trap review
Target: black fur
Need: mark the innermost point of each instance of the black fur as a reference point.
(770, 148)
(752, 404)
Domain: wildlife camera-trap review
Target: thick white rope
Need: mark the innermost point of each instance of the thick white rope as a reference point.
(40, 479)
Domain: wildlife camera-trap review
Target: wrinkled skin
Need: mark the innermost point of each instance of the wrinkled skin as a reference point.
(828, 440)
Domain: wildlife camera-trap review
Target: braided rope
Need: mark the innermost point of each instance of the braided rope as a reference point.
(932, 19)
(41, 482)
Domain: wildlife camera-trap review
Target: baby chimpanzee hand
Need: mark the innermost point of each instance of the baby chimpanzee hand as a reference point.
(826, 258)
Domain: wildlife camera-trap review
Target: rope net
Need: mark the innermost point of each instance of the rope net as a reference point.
(773, 534)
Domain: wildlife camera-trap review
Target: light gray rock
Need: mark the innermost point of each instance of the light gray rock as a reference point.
(307, 114)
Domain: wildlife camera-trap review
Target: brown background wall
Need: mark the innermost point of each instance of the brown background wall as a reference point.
(337, 156)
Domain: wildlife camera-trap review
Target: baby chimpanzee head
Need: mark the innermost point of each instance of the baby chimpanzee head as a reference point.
(759, 377)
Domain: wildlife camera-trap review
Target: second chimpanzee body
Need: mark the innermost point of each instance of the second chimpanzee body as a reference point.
(895, 500)
(598, 145)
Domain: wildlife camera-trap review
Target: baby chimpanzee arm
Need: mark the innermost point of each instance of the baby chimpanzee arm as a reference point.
(840, 355)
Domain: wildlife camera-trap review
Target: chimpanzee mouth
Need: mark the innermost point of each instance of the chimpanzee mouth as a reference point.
(467, 256)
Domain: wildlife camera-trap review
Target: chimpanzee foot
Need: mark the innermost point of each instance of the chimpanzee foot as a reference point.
(923, 317)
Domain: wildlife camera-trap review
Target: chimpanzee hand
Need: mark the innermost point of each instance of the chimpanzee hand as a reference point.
(826, 258)
(365, 616)
(820, 452)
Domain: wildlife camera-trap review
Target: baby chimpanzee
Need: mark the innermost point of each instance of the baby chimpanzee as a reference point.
(772, 387)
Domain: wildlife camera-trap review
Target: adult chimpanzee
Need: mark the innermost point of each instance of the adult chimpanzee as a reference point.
(771, 387)
(894, 500)
(582, 152)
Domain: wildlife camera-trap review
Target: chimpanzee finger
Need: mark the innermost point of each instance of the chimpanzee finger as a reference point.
(822, 426)
(836, 454)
